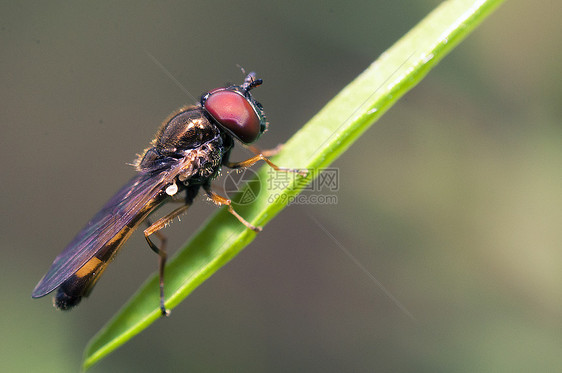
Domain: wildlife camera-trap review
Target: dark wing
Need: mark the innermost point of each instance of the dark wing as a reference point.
(121, 209)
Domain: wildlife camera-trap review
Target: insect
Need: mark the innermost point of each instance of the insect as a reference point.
(186, 154)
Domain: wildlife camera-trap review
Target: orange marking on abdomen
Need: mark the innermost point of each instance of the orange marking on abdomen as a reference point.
(89, 267)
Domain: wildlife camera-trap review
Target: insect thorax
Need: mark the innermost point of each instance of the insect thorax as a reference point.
(188, 135)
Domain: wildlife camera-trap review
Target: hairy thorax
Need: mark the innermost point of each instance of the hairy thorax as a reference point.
(189, 137)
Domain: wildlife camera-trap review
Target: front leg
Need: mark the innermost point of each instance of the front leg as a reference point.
(266, 153)
(261, 157)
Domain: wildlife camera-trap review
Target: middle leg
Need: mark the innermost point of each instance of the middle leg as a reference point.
(220, 200)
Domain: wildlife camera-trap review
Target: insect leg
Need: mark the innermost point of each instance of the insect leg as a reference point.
(266, 153)
(220, 200)
(261, 157)
(161, 251)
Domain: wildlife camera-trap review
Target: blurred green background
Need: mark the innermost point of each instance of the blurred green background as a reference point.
(452, 201)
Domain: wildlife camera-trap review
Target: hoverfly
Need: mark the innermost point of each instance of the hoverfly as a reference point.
(186, 154)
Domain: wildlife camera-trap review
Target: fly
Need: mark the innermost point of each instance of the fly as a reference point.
(186, 154)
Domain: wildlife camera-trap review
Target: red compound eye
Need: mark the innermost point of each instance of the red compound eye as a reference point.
(233, 111)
